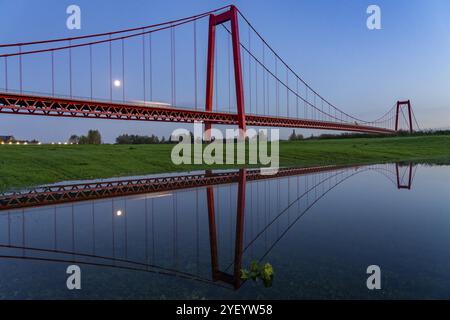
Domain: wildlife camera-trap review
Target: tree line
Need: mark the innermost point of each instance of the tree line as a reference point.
(94, 137)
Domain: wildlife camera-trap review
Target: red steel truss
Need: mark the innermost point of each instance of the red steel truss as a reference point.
(97, 190)
(62, 107)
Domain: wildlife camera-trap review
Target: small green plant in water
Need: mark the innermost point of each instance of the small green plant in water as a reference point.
(259, 271)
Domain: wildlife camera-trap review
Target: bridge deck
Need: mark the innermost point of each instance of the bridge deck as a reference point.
(68, 107)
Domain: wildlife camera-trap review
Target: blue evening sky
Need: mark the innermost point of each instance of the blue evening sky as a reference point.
(326, 42)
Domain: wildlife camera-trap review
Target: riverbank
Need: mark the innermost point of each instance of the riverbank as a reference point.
(28, 165)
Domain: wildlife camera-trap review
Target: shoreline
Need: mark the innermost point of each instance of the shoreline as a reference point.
(26, 166)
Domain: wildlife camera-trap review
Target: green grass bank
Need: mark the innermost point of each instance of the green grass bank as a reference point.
(28, 165)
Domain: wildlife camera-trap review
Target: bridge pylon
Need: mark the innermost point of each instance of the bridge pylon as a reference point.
(215, 20)
(400, 183)
(407, 104)
(233, 279)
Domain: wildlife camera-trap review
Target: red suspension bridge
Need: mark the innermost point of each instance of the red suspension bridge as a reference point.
(213, 67)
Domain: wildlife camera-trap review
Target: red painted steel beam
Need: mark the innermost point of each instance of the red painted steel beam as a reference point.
(410, 117)
(240, 218)
(218, 275)
(399, 182)
(237, 67)
(212, 231)
(214, 20)
(59, 107)
(99, 190)
(396, 115)
(210, 72)
(400, 104)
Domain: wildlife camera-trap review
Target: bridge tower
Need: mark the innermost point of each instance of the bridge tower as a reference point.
(407, 104)
(235, 278)
(215, 20)
(409, 170)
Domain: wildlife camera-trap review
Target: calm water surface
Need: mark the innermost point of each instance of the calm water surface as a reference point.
(320, 231)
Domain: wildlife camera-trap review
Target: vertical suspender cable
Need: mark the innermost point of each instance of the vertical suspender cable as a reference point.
(306, 102)
(110, 69)
(20, 69)
(174, 68)
(6, 74)
(93, 227)
(229, 72)
(231, 221)
(287, 90)
(268, 91)
(55, 233)
(153, 230)
(256, 86)
(277, 87)
(123, 70)
(171, 66)
(125, 227)
(143, 63)
(195, 69)
(150, 65)
(90, 69)
(321, 110)
(53, 72)
(249, 70)
(314, 107)
(70, 67)
(146, 233)
(113, 230)
(264, 78)
(197, 233)
(23, 230)
(329, 112)
(73, 227)
(296, 93)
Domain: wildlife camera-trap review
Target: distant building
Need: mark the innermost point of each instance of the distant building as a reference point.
(6, 139)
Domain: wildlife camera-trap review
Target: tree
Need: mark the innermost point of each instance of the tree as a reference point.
(123, 139)
(74, 139)
(83, 140)
(294, 136)
(94, 137)
(137, 139)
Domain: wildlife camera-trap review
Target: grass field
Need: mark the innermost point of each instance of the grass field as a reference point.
(22, 166)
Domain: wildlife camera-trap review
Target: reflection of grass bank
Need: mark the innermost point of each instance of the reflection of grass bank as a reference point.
(30, 165)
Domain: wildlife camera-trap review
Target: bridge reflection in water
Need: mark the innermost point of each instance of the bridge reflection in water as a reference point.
(163, 224)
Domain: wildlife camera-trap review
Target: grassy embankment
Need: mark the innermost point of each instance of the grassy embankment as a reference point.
(32, 165)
